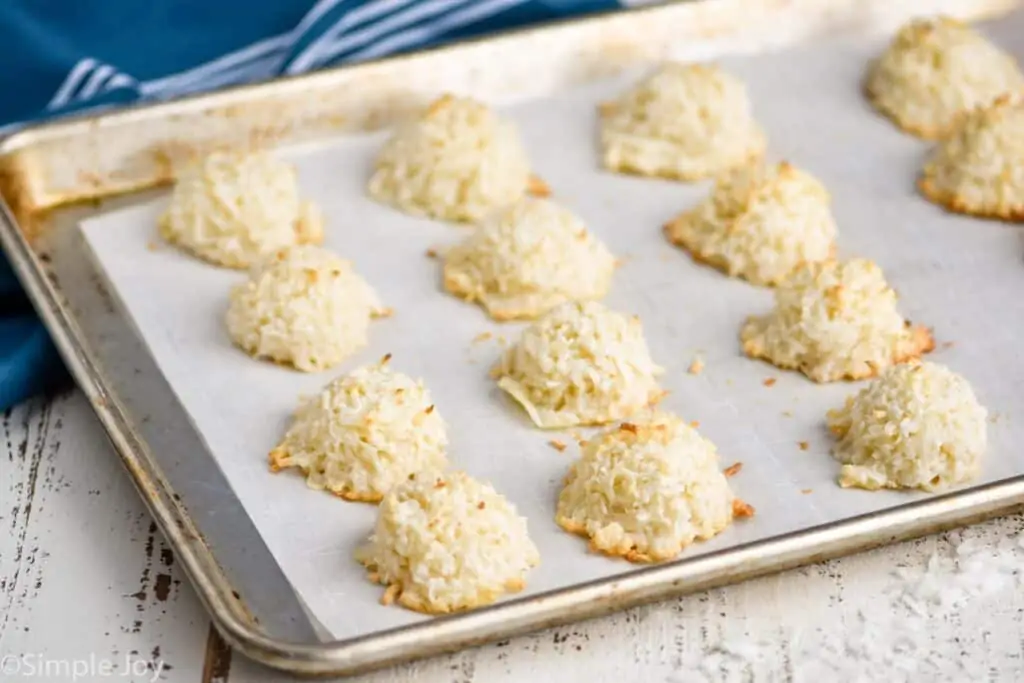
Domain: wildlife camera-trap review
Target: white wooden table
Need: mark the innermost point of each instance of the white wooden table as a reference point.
(88, 587)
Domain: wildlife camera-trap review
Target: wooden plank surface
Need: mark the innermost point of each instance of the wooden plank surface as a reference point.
(90, 592)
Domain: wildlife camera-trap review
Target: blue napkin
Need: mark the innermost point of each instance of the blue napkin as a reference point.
(69, 56)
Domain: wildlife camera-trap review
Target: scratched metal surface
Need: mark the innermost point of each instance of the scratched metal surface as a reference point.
(158, 418)
(80, 564)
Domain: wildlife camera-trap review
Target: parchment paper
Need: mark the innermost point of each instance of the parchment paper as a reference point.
(964, 277)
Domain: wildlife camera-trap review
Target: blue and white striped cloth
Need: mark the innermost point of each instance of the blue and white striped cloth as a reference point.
(65, 56)
(69, 56)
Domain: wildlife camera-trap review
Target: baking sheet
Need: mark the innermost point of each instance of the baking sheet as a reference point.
(960, 275)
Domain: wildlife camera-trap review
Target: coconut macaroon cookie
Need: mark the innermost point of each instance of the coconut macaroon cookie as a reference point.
(934, 70)
(232, 208)
(918, 425)
(979, 168)
(685, 122)
(447, 542)
(646, 490)
(364, 433)
(835, 320)
(303, 307)
(457, 161)
(759, 223)
(581, 364)
(527, 259)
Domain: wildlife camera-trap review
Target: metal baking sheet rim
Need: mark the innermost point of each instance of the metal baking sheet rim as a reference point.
(30, 181)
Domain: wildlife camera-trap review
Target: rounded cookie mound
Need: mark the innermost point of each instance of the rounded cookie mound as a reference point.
(457, 161)
(835, 320)
(303, 307)
(934, 70)
(760, 223)
(685, 122)
(446, 543)
(918, 425)
(232, 209)
(979, 168)
(364, 433)
(581, 364)
(528, 259)
(646, 490)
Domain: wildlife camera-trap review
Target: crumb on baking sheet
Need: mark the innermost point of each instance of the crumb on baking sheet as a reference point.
(433, 253)
(733, 469)
(696, 365)
(787, 413)
(482, 337)
(947, 345)
(806, 491)
(578, 437)
(769, 382)
(741, 509)
(557, 445)
(804, 445)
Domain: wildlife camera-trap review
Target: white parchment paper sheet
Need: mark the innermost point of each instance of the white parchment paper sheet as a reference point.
(964, 277)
